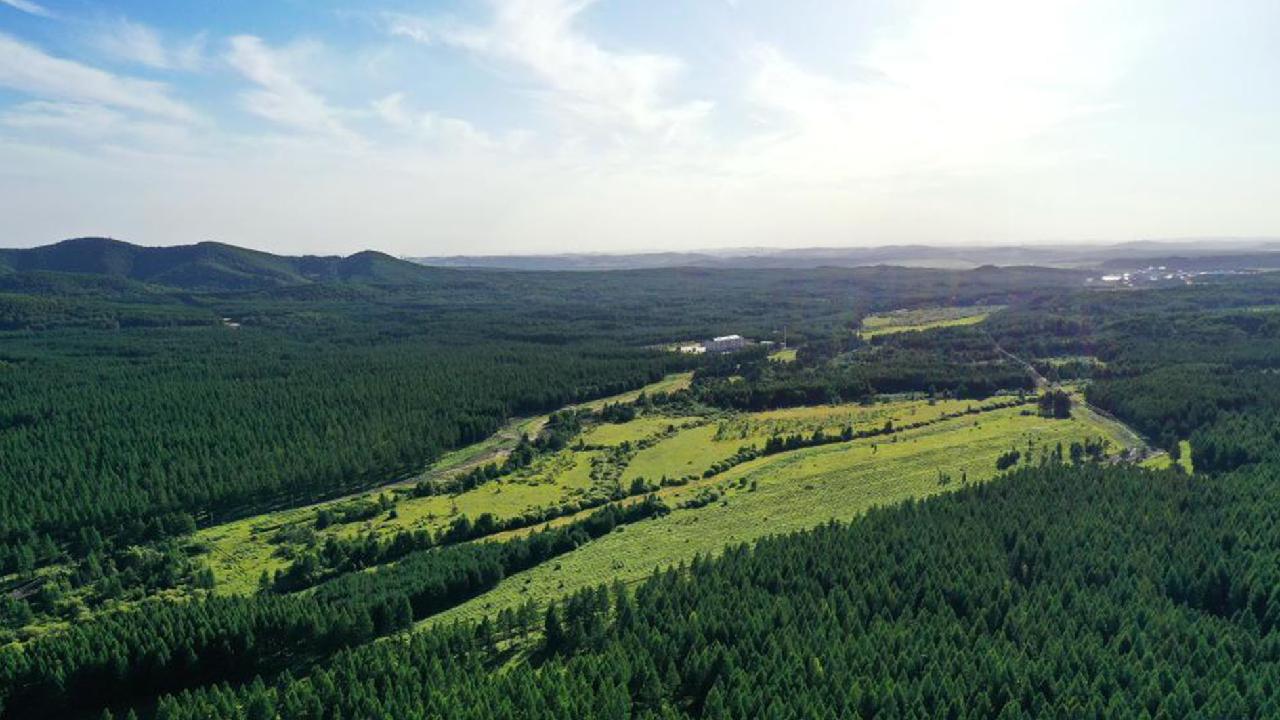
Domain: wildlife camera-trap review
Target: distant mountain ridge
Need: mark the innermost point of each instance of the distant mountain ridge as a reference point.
(213, 266)
(207, 265)
(1125, 255)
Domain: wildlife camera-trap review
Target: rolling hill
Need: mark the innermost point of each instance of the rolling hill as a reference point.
(206, 265)
(1134, 255)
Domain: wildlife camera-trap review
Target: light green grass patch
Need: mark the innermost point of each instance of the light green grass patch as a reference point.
(241, 550)
(758, 427)
(785, 355)
(919, 319)
(792, 491)
(1162, 460)
(689, 452)
(669, 384)
(1061, 360)
(692, 451)
(614, 434)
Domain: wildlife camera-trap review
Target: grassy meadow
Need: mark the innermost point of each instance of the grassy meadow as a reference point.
(796, 490)
(1162, 460)
(785, 355)
(900, 321)
(239, 551)
(792, 490)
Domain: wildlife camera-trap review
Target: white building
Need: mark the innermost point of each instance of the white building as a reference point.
(725, 343)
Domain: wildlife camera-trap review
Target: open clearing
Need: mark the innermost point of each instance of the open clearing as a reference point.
(930, 447)
(785, 355)
(916, 320)
(241, 550)
(1162, 461)
(796, 490)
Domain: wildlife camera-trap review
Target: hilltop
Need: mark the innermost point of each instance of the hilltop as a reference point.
(206, 265)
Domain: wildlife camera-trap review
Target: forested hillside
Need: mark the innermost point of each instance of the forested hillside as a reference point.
(1197, 364)
(206, 266)
(1051, 593)
(168, 428)
(134, 413)
(135, 410)
(1099, 591)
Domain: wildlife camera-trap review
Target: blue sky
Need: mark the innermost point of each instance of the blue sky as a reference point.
(488, 126)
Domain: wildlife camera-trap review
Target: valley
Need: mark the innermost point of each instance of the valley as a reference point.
(397, 466)
(583, 360)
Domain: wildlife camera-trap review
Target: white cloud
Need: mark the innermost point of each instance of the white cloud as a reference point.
(280, 97)
(430, 126)
(27, 6)
(28, 69)
(627, 90)
(142, 44)
(92, 122)
(957, 90)
(932, 121)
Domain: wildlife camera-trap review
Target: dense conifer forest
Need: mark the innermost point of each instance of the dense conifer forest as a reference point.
(133, 413)
(1050, 593)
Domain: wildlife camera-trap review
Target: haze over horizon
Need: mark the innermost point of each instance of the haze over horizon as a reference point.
(551, 126)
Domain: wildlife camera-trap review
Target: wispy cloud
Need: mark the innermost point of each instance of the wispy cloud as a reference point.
(29, 7)
(628, 90)
(832, 123)
(280, 96)
(28, 69)
(92, 122)
(954, 90)
(431, 126)
(142, 44)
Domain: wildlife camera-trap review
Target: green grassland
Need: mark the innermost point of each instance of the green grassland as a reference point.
(1127, 437)
(833, 418)
(1162, 461)
(692, 451)
(915, 320)
(669, 384)
(607, 459)
(614, 434)
(1061, 360)
(796, 490)
(684, 455)
(240, 551)
(785, 355)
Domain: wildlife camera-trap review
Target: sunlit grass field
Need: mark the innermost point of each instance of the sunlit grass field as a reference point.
(785, 355)
(614, 434)
(1162, 461)
(796, 490)
(791, 490)
(239, 551)
(900, 321)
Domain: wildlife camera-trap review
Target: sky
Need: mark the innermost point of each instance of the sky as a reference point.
(548, 126)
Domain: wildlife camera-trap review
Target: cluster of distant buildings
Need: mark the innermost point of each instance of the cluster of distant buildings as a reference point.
(722, 344)
(1157, 275)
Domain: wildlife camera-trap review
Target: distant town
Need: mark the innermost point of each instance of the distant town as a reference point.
(1161, 274)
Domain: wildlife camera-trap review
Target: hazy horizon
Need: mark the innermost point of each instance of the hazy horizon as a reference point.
(493, 127)
(1071, 251)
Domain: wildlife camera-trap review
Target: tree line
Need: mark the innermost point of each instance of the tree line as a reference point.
(1094, 591)
(134, 655)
